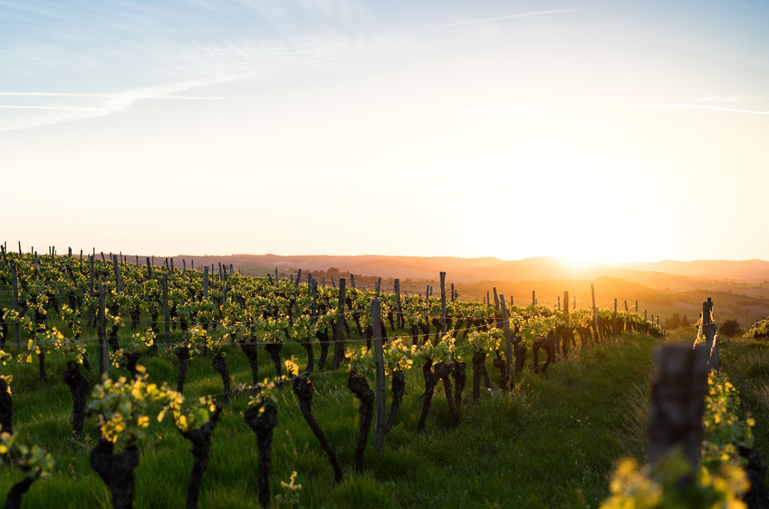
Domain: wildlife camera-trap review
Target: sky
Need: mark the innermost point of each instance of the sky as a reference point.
(614, 131)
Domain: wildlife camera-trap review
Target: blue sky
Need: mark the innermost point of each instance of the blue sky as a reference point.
(429, 128)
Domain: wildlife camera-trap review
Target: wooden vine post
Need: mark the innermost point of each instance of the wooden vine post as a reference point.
(443, 303)
(91, 310)
(678, 401)
(398, 310)
(102, 333)
(16, 325)
(508, 344)
(116, 268)
(711, 342)
(339, 329)
(380, 404)
(595, 312)
(614, 323)
(166, 321)
(533, 297)
(496, 299)
(205, 282)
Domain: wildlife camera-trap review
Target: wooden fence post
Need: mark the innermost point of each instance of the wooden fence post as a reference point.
(166, 321)
(339, 330)
(533, 297)
(595, 313)
(116, 268)
(149, 268)
(352, 280)
(626, 309)
(677, 401)
(614, 322)
(711, 341)
(91, 311)
(314, 292)
(17, 325)
(636, 306)
(102, 334)
(443, 303)
(398, 310)
(205, 282)
(496, 299)
(379, 422)
(452, 292)
(508, 345)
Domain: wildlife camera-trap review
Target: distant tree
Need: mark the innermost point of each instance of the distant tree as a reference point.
(730, 328)
(685, 322)
(333, 271)
(673, 322)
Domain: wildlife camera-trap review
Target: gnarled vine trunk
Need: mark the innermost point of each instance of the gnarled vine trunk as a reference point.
(359, 386)
(201, 452)
(303, 389)
(79, 387)
(262, 424)
(117, 471)
(220, 364)
(183, 356)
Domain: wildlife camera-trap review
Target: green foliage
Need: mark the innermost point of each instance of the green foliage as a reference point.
(665, 485)
(122, 405)
(759, 331)
(33, 461)
(724, 432)
(487, 341)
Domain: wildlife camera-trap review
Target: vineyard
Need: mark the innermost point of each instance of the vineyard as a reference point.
(110, 368)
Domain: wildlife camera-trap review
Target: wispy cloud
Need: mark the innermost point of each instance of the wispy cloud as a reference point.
(68, 163)
(696, 107)
(498, 18)
(189, 67)
(518, 107)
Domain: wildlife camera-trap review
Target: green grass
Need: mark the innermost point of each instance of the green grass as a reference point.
(553, 442)
(746, 361)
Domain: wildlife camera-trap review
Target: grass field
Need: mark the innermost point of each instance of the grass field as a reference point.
(551, 443)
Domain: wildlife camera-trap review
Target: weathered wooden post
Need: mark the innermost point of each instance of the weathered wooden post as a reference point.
(352, 280)
(380, 405)
(166, 321)
(496, 299)
(443, 303)
(339, 330)
(595, 313)
(116, 268)
(533, 297)
(508, 345)
(205, 282)
(398, 310)
(678, 401)
(102, 334)
(16, 325)
(711, 341)
(614, 321)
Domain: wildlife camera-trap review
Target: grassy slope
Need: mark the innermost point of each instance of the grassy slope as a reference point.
(747, 364)
(552, 443)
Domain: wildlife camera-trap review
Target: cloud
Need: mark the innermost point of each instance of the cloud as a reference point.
(696, 107)
(186, 67)
(497, 18)
(518, 107)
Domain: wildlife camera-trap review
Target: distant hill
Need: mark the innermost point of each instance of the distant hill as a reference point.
(471, 270)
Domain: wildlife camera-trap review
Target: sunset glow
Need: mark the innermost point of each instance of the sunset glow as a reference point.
(606, 132)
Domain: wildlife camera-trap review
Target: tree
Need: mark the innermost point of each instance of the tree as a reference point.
(730, 328)
(685, 322)
(673, 322)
